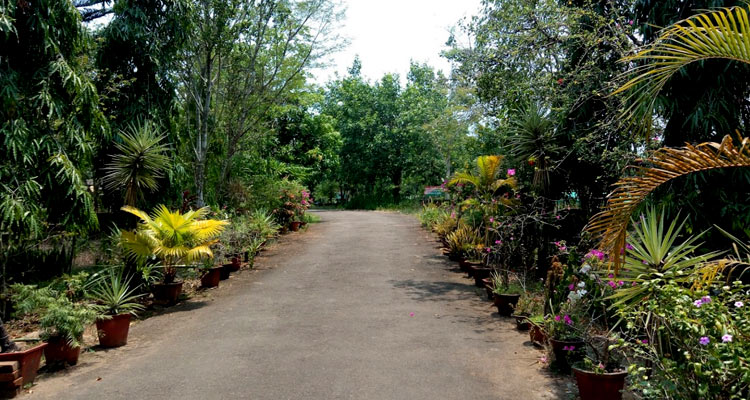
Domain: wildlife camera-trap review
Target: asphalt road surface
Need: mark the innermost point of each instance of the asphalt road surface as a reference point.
(360, 306)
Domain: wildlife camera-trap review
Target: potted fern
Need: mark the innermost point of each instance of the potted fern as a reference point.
(116, 303)
(61, 319)
(174, 239)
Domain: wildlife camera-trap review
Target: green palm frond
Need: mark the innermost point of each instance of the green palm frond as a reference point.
(485, 180)
(720, 34)
(533, 138)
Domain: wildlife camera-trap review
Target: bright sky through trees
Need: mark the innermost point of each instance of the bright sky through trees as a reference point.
(386, 34)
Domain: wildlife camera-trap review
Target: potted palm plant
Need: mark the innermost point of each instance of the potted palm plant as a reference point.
(600, 375)
(116, 302)
(174, 239)
(62, 321)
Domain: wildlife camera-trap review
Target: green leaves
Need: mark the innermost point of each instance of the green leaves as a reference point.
(140, 163)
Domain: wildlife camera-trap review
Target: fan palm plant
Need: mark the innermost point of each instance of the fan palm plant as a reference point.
(140, 163)
(719, 34)
(486, 179)
(172, 237)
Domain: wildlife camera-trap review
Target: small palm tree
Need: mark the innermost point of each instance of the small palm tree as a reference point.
(486, 180)
(172, 237)
(140, 163)
(533, 139)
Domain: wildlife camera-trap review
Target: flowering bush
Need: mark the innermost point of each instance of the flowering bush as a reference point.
(696, 344)
(294, 203)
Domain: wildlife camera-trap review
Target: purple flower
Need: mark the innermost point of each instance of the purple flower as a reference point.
(557, 318)
(628, 246)
(571, 286)
(612, 284)
(596, 253)
(569, 348)
(698, 303)
(568, 320)
(705, 299)
(738, 304)
(610, 276)
(704, 340)
(644, 341)
(726, 338)
(620, 283)
(512, 172)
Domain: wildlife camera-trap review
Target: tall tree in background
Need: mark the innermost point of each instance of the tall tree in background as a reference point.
(248, 56)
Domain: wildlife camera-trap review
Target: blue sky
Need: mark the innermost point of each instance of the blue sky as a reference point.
(386, 34)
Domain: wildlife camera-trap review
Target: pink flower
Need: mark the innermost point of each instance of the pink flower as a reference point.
(644, 341)
(726, 338)
(600, 366)
(557, 318)
(557, 216)
(704, 340)
(738, 304)
(489, 250)
(498, 242)
(571, 287)
(612, 284)
(543, 359)
(620, 283)
(512, 172)
(634, 284)
(411, 314)
(492, 219)
(568, 320)
(630, 22)
(698, 303)
(453, 215)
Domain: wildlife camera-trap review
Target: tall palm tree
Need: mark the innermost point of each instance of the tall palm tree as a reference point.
(172, 237)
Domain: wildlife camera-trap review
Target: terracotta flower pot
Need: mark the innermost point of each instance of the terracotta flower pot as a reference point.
(58, 352)
(235, 265)
(605, 386)
(294, 226)
(29, 361)
(113, 332)
(566, 352)
(211, 277)
(167, 293)
(537, 334)
(506, 303)
(489, 287)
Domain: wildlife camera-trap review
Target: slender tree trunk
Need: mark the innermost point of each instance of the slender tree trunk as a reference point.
(201, 145)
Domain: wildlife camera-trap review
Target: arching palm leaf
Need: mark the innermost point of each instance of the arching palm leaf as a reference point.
(665, 164)
(722, 34)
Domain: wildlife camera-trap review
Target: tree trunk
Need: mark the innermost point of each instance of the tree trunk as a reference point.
(6, 345)
(201, 145)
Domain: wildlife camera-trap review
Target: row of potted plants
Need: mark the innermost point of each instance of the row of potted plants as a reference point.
(164, 243)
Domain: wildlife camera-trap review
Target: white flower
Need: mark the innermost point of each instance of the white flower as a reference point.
(581, 284)
(581, 292)
(585, 269)
(574, 296)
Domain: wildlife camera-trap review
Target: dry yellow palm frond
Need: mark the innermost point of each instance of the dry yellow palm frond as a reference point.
(665, 164)
(488, 168)
(138, 244)
(199, 252)
(138, 213)
(722, 34)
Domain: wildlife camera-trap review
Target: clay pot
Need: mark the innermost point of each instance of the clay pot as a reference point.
(167, 293)
(522, 322)
(211, 277)
(28, 361)
(480, 274)
(58, 352)
(564, 358)
(537, 334)
(294, 226)
(489, 287)
(113, 332)
(605, 386)
(506, 303)
(225, 270)
(235, 265)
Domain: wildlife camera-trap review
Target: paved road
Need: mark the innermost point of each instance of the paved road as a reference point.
(361, 306)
